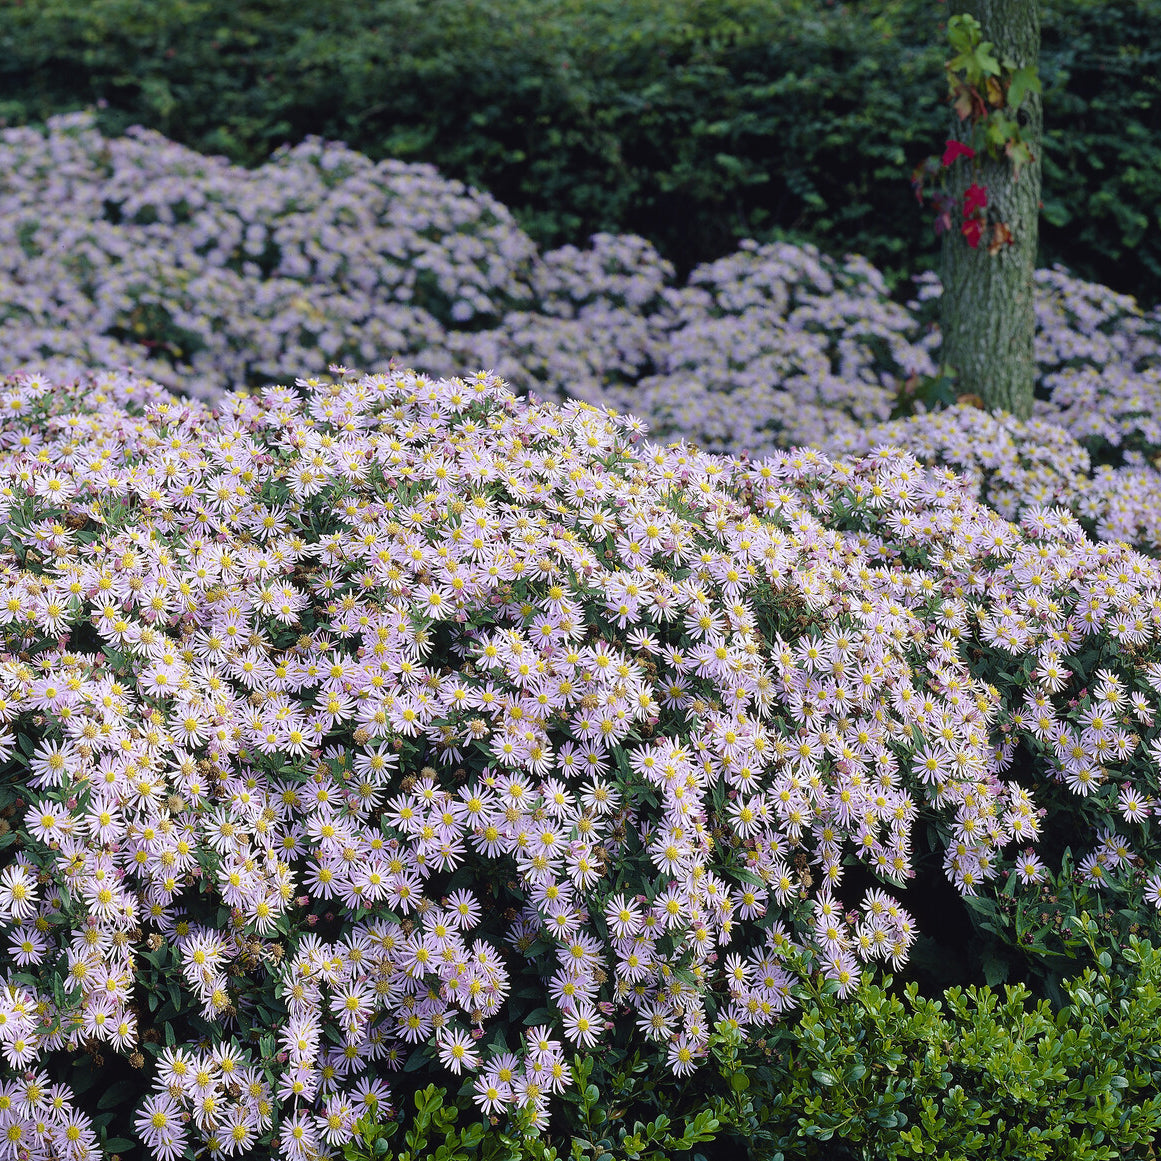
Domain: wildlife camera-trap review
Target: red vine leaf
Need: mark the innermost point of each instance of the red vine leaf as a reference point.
(974, 199)
(956, 149)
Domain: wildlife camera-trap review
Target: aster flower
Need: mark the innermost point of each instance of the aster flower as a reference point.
(682, 1055)
(456, 1051)
(158, 1125)
(18, 892)
(1030, 868)
(336, 1123)
(582, 1025)
(491, 1093)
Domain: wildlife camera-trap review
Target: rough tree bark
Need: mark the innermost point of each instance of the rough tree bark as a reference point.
(987, 311)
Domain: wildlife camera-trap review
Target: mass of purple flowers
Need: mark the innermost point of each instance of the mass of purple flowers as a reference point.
(673, 690)
(135, 252)
(380, 647)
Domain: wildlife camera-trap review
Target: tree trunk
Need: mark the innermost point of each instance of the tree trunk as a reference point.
(988, 319)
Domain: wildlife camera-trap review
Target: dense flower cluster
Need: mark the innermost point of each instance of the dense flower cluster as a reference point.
(773, 347)
(1092, 444)
(347, 648)
(1014, 465)
(348, 706)
(135, 252)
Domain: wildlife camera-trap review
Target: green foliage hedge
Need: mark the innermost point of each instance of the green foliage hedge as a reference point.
(691, 122)
(979, 1075)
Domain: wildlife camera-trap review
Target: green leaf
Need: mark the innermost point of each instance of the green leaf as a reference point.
(995, 970)
(986, 61)
(86, 1075)
(826, 1079)
(1023, 80)
(429, 1099)
(116, 1093)
(963, 31)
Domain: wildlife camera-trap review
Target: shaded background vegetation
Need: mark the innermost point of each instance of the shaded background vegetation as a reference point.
(692, 122)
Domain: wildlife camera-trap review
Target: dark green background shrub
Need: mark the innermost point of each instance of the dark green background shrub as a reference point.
(692, 123)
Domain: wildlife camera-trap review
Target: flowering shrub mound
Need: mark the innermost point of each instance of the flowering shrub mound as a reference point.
(136, 252)
(1013, 465)
(1093, 443)
(348, 725)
